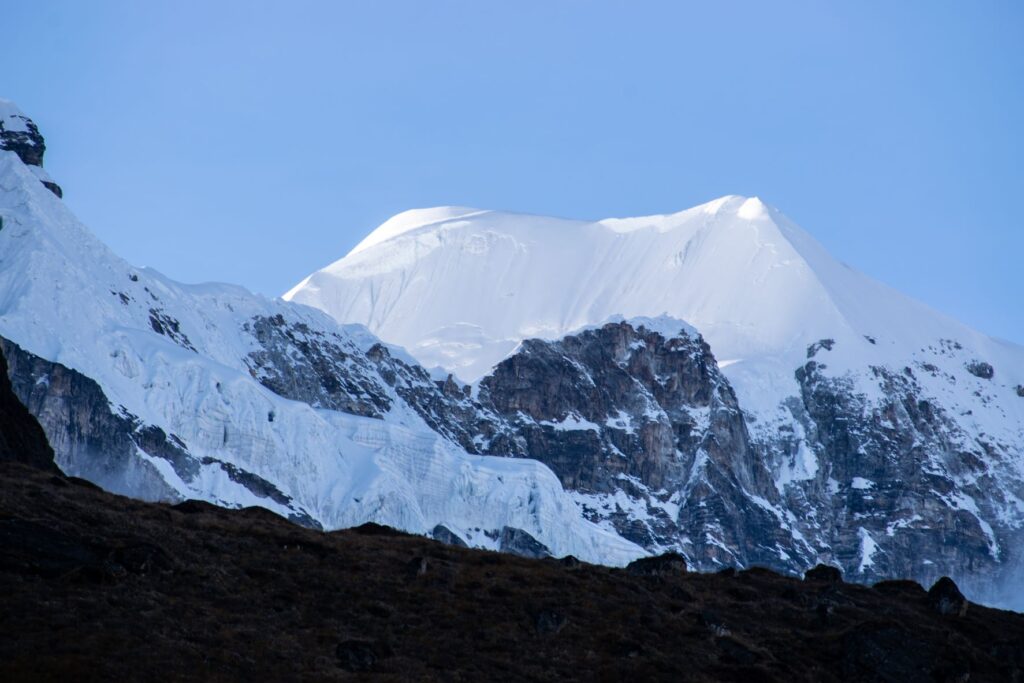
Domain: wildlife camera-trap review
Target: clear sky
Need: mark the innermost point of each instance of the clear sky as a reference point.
(254, 142)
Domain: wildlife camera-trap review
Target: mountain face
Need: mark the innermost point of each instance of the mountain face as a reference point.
(829, 418)
(637, 420)
(165, 391)
(642, 425)
(801, 413)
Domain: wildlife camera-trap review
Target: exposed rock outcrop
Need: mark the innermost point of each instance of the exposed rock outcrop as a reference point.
(946, 599)
(19, 134)
(658, 565)
(823, 573)
(447, 536)
(519, 542)
(21, 438)
(309, 365)
(900, 491)
(445, 406)
(649, 433)
(981, 369)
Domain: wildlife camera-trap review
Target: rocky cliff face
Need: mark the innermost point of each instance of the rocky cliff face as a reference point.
(447, 407)
(21, 438)
(305, 364)
(902, 490)
(329, 370)
(641, 425)
(109, 446)
(648, 433)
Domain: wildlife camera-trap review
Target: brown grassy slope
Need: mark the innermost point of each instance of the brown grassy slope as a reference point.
(98, 587)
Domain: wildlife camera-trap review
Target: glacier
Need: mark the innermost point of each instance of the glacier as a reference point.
(178, 358)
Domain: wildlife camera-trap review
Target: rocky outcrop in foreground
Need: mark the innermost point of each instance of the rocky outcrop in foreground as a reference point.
(100, 587)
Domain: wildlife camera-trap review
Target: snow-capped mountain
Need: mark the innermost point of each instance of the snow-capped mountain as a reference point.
(166, 391)
(459, 288)
(890, 437)
(710, 382)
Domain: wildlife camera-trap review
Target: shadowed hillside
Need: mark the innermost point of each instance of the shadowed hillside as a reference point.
(100, 587)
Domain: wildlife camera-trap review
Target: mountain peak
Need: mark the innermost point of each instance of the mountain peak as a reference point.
(745, 207)
(459, 287)
(19, 134)
(752, 208)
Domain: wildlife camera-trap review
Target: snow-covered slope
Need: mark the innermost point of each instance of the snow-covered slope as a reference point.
(188, 371)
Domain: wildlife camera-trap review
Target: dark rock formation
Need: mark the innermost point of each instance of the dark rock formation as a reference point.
(981, 369)
(946, 599)
(823, 573)
(550, 622)
(623, 409)
(91, 438)
(888, 473)
(324, 370)
(826, 344)
(446, 407)
(327, 370)
(19, 134)
(649, 434)
(359, 655)
(447, 536)
(659, 565)
(519, 542)
(21, 438)
(169, 327)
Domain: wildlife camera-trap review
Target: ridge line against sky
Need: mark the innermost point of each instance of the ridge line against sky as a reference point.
(236, 142)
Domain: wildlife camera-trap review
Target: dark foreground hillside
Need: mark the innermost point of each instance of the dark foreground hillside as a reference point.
(99, 587)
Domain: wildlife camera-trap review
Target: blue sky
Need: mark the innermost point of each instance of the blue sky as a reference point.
(254, 142)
